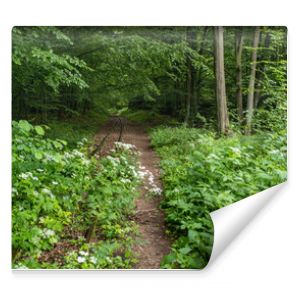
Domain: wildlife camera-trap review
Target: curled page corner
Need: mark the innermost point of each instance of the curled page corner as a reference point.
(229, 221)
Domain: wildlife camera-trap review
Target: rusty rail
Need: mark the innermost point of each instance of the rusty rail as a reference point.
(118, 122)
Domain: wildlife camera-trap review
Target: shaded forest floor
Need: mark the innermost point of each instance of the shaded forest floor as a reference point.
(152, 244)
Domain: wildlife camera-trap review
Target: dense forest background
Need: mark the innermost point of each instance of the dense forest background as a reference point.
(211, 100)
(64, 72)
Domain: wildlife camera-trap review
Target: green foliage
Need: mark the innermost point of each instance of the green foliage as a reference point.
(75, 129)
(101, 255)
(53, 186)
(41, 71)
(202, 174)
(67, 71)
(72, 78)
(148, 117)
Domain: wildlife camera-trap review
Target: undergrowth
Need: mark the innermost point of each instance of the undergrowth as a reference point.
(202, 173)
(58, 194)
(74, 129)
(148, 117)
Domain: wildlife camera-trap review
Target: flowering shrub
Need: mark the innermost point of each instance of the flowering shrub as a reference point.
(56, 188)
(202, 174)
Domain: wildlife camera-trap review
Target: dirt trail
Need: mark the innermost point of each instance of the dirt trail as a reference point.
(152, 244)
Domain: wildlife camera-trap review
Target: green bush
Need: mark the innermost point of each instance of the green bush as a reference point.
(202, 173)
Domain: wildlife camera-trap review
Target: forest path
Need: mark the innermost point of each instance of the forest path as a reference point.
(152, 244)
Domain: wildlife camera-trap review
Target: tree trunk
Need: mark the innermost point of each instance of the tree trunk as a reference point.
(198, 79)
(262, 70)
(238, 56)
(250, 99)
(191, 76)
(223, 119)
(188, 96)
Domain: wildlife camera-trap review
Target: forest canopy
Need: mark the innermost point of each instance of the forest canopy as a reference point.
(65, 71)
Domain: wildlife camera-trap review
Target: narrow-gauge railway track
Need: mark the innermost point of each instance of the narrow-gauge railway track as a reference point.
(111, 132)
(152, 243)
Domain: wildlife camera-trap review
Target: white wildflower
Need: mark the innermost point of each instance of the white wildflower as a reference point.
(78, 153)
(108, 259)
(83, 253)
(142, 174)
(54, 182)
(93, 259)
(49, 157)
(125, 146)
(24, 175)
(14, 191)
(156, 191)
(235, 150)
(81, 259)
(125, 180)
(114, 160)
(21, 267)
(48, 232)
(276, 151)
(68, 155)
(47, 192)
(86, 162)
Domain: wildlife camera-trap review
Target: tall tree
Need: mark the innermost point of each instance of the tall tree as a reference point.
(198, 76)
(188, 95)
(191, 74)
(223, 119)
(262, 68)
(250, 99)
(238, 64)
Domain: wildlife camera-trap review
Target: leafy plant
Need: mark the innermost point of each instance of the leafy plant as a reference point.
(56, 190)
(202, 173)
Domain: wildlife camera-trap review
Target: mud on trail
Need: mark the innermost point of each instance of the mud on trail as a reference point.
(152, 243)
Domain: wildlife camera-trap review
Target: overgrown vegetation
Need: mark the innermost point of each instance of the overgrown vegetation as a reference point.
(202, 173)
(59, 194)
(218, 95)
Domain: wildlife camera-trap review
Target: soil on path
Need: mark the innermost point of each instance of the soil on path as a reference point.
(152, 244)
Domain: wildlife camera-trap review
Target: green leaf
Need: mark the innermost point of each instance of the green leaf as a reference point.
(39, 130)
(57, 145)
(38, 155)
(24, 125)
(193, 235)
(185, 250)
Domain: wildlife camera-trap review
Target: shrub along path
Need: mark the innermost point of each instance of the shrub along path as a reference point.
(152, 244)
